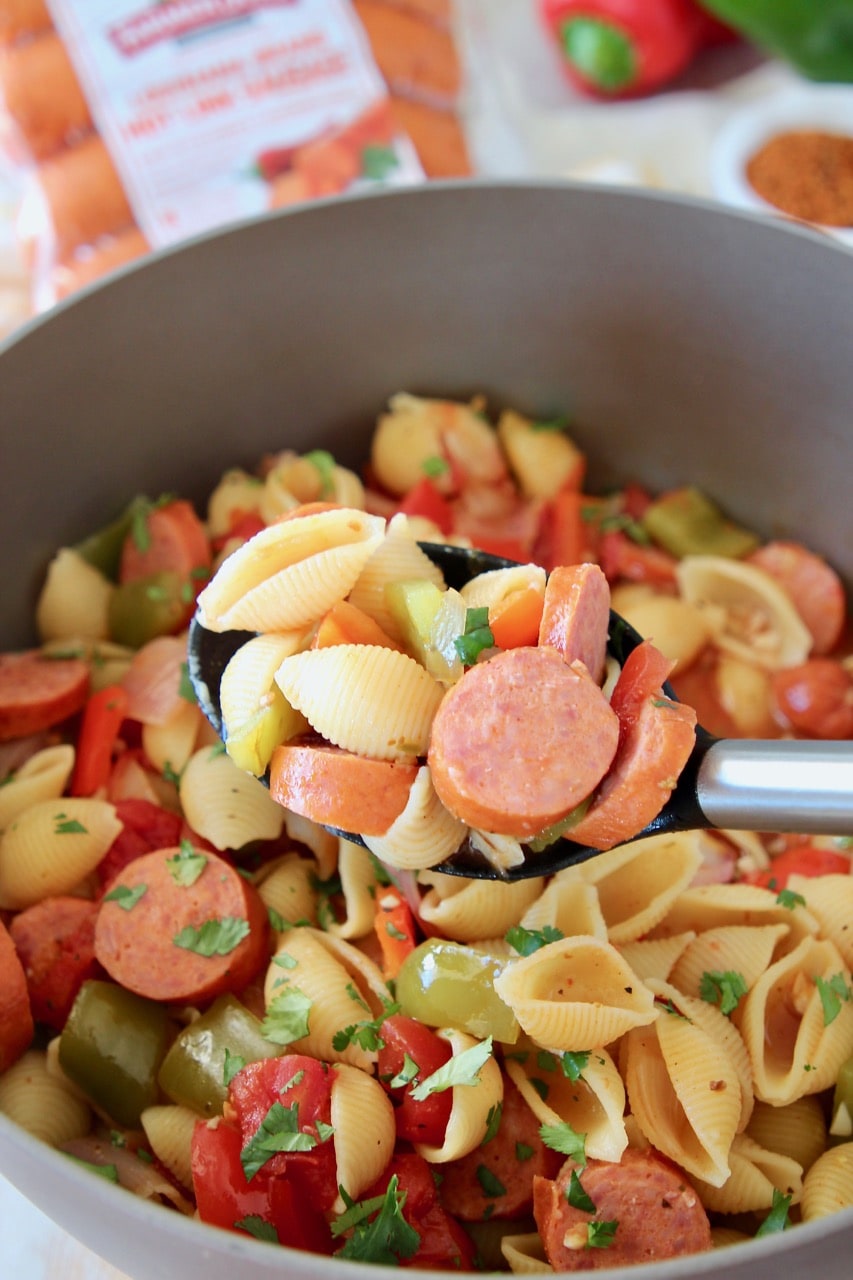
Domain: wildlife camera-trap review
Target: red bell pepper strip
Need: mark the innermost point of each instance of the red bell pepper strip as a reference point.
(425, 499)
(800, 860)
(395, 929)
(624, 48)
(102, 718)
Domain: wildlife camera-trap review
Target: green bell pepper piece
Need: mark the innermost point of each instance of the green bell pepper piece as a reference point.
(152, 606)
(111, 1047)
(815, 36)
(103, 548)
(446, 984)
(687, 523)
(199, 1065)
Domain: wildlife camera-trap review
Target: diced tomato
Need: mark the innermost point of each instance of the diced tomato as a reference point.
(509, 548)
(623, 559)
(425, 500)
(444, 1244)
(227, 1199)
(569, 532)
(145, 827)
(816, 697)
(102, 718)
(422, 1120)
(292, 1080)
(801, 860)
(636, 500)
(642, 676)
(244, 525)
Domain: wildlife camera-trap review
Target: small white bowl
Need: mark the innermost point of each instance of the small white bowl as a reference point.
(747, 128)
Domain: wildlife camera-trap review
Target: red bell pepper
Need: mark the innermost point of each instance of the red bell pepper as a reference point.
(624, 48)
(102, 718)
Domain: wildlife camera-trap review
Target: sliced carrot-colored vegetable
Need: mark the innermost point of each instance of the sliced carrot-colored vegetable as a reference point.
(102, 719)
(347, 624)
(339, 789)
(515, 620)
(395, 929)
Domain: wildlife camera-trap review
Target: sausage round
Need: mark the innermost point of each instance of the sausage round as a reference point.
(179, 941)
(16, 1019)
(37, 692)
(576, 616)
(656, 1211)
(55, 939)
(521, 740)
(340, 789)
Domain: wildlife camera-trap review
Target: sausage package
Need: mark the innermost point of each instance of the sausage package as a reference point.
(133, 125)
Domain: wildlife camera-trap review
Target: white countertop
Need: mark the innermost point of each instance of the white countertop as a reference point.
(524, 121)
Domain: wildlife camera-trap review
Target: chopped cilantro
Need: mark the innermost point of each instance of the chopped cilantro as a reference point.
(278, 1131)
(526, 941)
(125, 897)
(559, 423)
(185, 687)
(230, 1067)
(523, 1152)
(489, 1182)
(464, 1069)
(325, 464)
(777, 1218)
(187, 865)
(407, 1073)
(573, 1065)
(168, 774)
(287, 1017)
(108, 1171)
(724, 989)
(600, 1235)
(277, 921)
(66, 826)
(258, 1227)
(284, 960)
(435, 466)
(380, 1233)
(563, 1138)
(788, 899)
(377, 162)
(832, 991)
(493, 1122)
(217, 937)
(476, 637)
(576, 1195)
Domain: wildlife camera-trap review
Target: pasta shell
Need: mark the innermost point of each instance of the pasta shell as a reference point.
(489, 589)
(709, 906)
(797, 1130)
(678, 628)
(760, 622)
(425, 833)
(568, 905)
(44, 776)
(575, 994)
(42, 1103)
(743, 949)
(359, 888)
(830, 900)
(398, 558)
(593, 1105)
(655, 957)
(794, 1047)
(525, 1254)
(365, 1131)
(225, 805)
(256, 716)
(503, 852)
(169, 1130)
(236, 492)
(828, 1185)
(322, 844)
(287, 887)
(472, 1105)
(365, 698)
(169, 746)
(74, 600)
(638, 882)
(755, 1174)
(52, 846)
(684, 1093)
(291, 573)
(474, 910)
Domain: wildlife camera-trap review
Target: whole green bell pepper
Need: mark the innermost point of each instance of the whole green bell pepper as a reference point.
(814, 36)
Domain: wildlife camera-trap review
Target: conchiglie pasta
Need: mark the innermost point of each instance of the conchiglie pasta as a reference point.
(225, 805)
(593, 1105)
(655, 957)
(685, 1094)
(828, 1185)
(323, 845)
(756, 1174)
(256, 716)
(708, 906)
(743, 949)
(502, 852)
(359, 888)
(525, 1254)
(237, 494)
(291, 573)
(398, 558)
(425, 833)
(41, 1102)
(472, 1104)
(169, 1130)
(541, 461)
(679, 629)
(489, 589)
(74, 601)
(568, 905)
(473, 910)
(52, 846)
(830, 900)
(575, 993)
(365, 698)
(364, 1129)
(797, 1130)
(795, 1047)
(44, 776)
(638, 882)
(286, 886)
(169, 746)
(332, 994)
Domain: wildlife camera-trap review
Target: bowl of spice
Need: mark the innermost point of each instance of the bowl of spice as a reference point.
(791, 155)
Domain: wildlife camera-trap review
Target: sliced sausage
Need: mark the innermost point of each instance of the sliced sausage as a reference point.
(337, 788)
(496, 1180)
(37, 692)
(576, 617)
(520, 740)
(16, 1019)
(55, 940)
(813, 585)
(657, 1213)
(171, 940)
(648, 763)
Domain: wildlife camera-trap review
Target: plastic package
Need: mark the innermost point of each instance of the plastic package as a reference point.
(134, 125)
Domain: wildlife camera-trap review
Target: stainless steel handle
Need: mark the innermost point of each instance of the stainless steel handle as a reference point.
(778, 785)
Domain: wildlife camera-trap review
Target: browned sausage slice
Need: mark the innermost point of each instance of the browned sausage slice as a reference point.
(339, 789)
(496, 1180)
(651, 756)
(16, 1019)
(657, 1213)
(520, 740)
(576, 616)
(55, 939)
(168, 939)
(37, 692)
